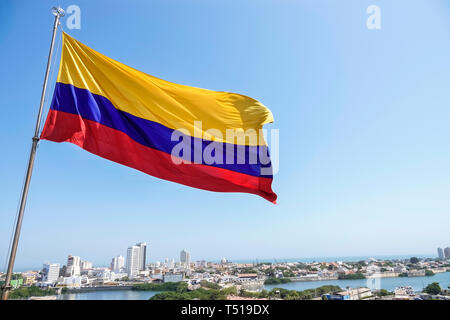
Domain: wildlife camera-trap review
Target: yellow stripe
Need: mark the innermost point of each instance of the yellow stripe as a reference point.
(172, 105)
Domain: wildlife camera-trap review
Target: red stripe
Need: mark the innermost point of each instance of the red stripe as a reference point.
(116, 146)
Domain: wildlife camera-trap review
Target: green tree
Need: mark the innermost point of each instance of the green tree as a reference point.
(33, 291)
(414, 260)
(210, 285)
(433, 288)
(429, 273)
(288, 273)
(389, 263)
(230, 291)
(264, 294)
(198, 294)
(179, 287)
(351, 276)
(383, 292)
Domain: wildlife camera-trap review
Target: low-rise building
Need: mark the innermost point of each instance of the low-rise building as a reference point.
(172, 277)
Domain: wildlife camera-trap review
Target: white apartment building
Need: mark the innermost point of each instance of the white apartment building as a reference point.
(133, 257)
(73, 266)
(142, 255)
(117, 263)
(50, 272)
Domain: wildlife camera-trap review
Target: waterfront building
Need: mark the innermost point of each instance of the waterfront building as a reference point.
(142, 255)
(440, 253)
(172, 277)
(117, 263)
(416, 273)
(247, 276)
(118, 276)
(185, 258)
(447, 253)
(50, 272)
(133, 257)
(73, 266)
(75, 281)
(403, 293)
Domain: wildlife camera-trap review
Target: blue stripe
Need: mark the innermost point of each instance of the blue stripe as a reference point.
(89, 106)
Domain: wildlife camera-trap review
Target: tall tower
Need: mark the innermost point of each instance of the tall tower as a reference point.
(133, 261)
(142, 255)
(447, 253)
(185, 258)
(440, 253)
(117, 264)
(73, 266)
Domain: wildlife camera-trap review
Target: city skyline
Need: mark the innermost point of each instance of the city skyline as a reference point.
(363, 131)
(167, 259)
(410, 278)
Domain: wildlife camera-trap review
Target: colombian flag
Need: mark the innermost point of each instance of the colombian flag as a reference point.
(170, 131)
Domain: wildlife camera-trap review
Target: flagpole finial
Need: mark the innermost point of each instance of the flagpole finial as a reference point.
(58, 11)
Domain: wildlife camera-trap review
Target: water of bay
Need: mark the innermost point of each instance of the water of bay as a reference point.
(417, 283)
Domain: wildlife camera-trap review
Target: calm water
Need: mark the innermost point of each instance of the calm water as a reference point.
(110, 295)
(417, 283)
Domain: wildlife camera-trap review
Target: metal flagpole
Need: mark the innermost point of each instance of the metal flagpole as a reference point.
(58, 13)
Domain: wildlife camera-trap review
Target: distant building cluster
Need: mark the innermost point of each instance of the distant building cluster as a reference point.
(81, 273)
(244, 277)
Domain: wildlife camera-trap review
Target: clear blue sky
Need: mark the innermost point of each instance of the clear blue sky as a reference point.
(363, 118)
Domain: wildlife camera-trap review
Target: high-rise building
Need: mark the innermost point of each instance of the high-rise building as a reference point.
(447, 253)
(50, 272)
(142, 255)
(73, 266)
(185, 258)
(117, 264)
(133, 261)
(440, 253)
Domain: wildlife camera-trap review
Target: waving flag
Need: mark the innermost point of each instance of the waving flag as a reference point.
(200, 138)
